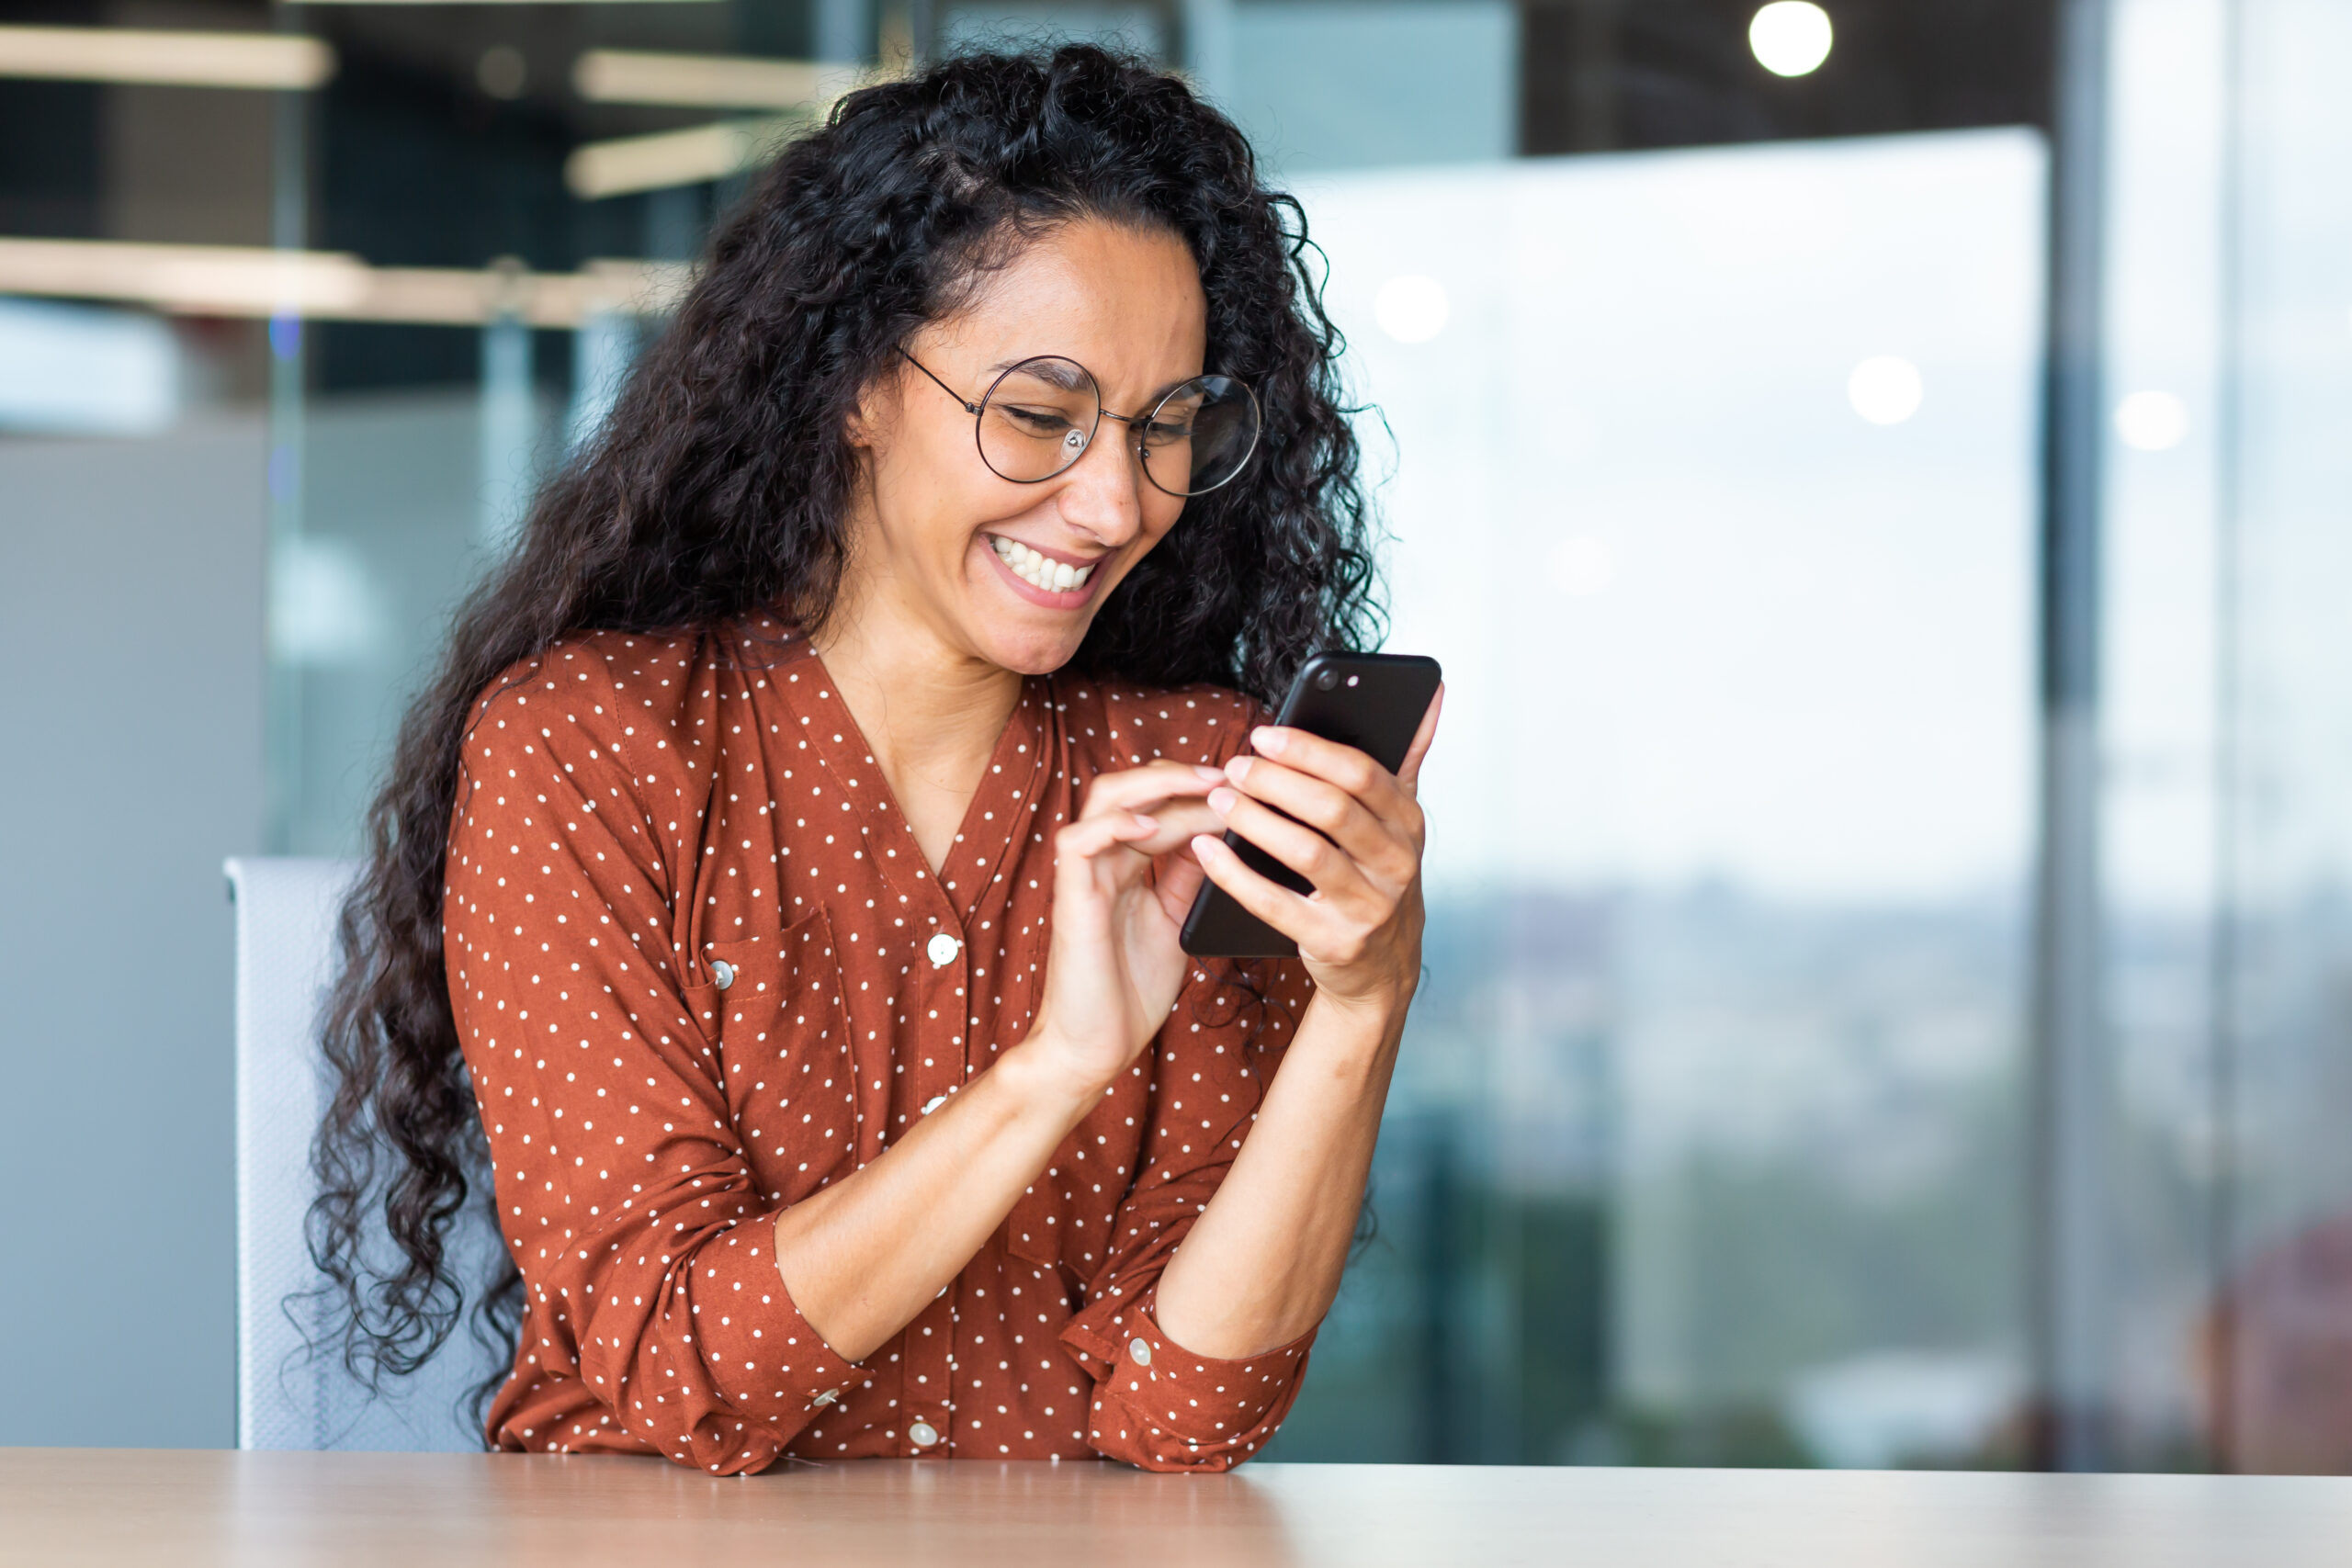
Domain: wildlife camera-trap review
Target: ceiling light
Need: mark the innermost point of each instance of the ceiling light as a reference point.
(1790, 38)
(165, 59)
(509, 2)
(669, 158)
(708, 81)
(250, 282)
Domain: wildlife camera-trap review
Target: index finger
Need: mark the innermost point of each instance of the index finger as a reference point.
(1133, 789)
(1333, 762)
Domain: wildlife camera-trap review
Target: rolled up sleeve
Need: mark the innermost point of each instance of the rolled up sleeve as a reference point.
(624, 1191)
(1157, 1405)
(1161, 1407)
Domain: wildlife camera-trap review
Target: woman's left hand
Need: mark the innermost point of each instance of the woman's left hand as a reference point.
(1357, 838)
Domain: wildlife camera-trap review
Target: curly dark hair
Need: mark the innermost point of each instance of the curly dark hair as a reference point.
(721, 487)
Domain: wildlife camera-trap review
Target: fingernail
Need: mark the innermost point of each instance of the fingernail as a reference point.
(1214, 775)
(1222, 801)
(1269, 739)
(1208, 844)
(1149, 824)
(1238, 769)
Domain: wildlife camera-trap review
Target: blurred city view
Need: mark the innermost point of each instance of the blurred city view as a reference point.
(1708, 1146)
(1705, 352)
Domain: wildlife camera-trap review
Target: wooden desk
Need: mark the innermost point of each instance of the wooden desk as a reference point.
(190, 1508)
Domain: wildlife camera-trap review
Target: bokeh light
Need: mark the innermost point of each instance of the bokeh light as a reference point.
(1791, 38)
(2151, 422)
(1886, 389)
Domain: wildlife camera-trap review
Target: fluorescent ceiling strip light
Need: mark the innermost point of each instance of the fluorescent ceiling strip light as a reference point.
(165, 59)
(709, 81)
(249, 281)
(453, 3)
(668, 158)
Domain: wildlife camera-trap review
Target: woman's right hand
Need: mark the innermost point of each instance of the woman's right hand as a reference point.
(1124, 878)
(862, 1256)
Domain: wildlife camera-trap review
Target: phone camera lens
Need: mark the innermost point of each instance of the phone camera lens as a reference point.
(1327, 680)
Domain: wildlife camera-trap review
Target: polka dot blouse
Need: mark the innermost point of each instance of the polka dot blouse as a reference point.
(700, 970)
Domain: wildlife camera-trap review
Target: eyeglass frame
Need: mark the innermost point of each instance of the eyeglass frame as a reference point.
(1132, 421)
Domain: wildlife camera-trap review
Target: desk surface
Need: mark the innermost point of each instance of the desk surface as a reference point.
(259, 1510)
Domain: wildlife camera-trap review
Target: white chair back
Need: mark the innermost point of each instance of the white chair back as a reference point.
(288, 1396)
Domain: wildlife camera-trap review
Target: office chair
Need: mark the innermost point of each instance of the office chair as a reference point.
(289, 1397)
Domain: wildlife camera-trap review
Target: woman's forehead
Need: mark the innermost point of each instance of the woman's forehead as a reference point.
(1123, 300)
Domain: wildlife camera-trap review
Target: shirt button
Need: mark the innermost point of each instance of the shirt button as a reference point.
(942, 950)
(722, 974)
(1139, 1352)
(922, 1434)
(936, 1101)
(827, 1397)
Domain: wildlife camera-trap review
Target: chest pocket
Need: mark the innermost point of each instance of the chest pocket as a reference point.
(772, 1007)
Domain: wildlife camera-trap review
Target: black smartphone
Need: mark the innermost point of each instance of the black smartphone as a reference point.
(1373, 702)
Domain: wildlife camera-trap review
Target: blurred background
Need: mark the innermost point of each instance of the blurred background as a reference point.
(1874, 472)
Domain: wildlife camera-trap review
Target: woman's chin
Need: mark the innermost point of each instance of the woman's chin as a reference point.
(1034, 653)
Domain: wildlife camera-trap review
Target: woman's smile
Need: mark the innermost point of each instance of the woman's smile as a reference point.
(1053, 579)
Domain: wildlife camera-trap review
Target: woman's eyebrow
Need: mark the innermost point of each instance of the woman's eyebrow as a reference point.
(1056, 371)
(1052, 369)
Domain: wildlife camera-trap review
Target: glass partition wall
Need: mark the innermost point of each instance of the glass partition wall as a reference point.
(1712, 475)
(2229, 833)
(1712, 482)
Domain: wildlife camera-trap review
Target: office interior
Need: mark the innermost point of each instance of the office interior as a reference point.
(1874, 472)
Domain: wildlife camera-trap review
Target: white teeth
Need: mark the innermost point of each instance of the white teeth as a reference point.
(1039, 571)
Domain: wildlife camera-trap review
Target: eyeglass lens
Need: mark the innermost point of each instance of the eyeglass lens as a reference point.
(1042, 414)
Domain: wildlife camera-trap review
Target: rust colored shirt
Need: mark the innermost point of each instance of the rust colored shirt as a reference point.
(701, 969)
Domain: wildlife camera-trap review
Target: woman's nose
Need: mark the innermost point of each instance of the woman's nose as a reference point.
(1102, 493)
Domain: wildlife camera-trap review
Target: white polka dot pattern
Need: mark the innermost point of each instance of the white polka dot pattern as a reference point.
(1162, 1398)
(701, 971)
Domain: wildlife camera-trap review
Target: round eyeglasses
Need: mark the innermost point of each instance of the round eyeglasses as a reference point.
(1039, 416)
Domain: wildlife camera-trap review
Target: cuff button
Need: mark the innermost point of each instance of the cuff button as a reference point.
(1139, 1352)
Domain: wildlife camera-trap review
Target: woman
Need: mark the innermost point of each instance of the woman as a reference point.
(784, 869)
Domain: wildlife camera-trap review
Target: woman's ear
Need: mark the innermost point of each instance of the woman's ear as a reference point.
(871, 421)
